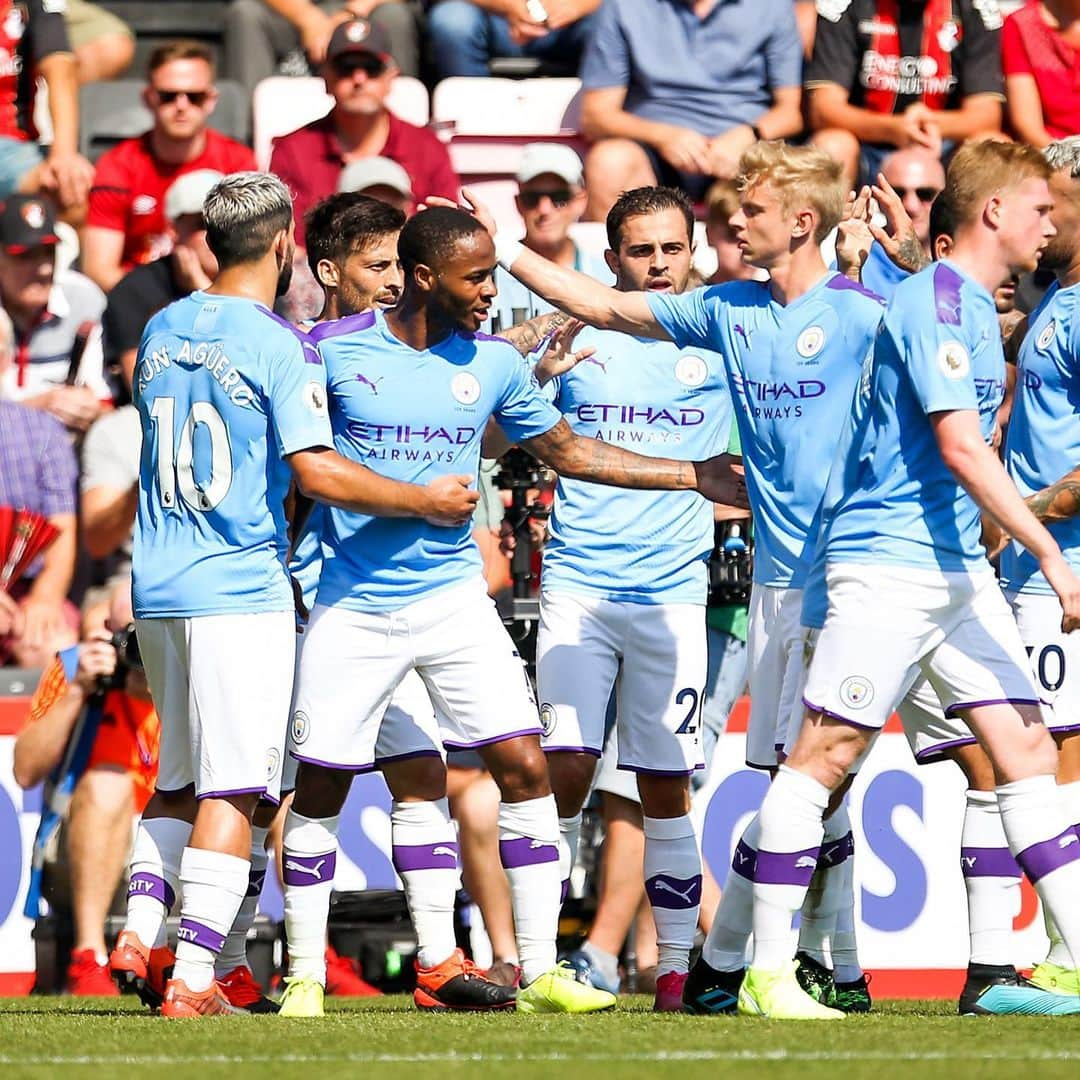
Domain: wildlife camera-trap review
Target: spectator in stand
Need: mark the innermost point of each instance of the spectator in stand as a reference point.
(259, 34)
(103, 44)
(34, 42)
(550, 198)
(117, 784)
(126, 223)
(465, 34)
(358, 73)
(674, 92)
(1040, 57)
(722, 202)
(379, 178)
(57, 363)
(886, 76)
(38, 471)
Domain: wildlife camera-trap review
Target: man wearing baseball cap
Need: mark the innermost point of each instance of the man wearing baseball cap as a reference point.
(358, 72)
(58, 361)
(380, 178)
(550, 198)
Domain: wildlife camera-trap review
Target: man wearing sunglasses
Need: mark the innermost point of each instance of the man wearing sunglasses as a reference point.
(358, 73)
(126, 224)
(550, 199)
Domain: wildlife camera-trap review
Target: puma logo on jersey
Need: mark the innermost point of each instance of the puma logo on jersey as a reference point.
(374, 386)
(444, 851)
(601, 364)
(744, 334)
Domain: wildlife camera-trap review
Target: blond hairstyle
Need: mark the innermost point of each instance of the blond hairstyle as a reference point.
(800, 176)
(982, 169)
(721, 202)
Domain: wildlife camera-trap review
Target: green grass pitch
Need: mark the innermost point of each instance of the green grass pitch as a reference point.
(99, 1038)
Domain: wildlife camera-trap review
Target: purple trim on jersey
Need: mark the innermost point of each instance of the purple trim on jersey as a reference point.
(757, 765)
(640, 769)
(679, 894)
(308, 869)
(836, 716)
(744, 860)
(525, 851)
(255, 882)
(947, 290)
(494, 739)
(144, 884)
(834, 852)
(311, 353)
(269, 800)
(480, 336)
(231, 791)
(988, 862)
(197, 933)
(1049, 855)
(786, 867)
(370, 767)
(572, 750)
(441, 856)
(840, 281)
(952, 710)
(934, 753)
(351, 323)
(1062, 729)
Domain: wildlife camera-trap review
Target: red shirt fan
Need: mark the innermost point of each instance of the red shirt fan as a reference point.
(24, 535)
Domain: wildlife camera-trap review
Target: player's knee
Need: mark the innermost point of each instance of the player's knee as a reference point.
(180, 804)
(421, 778)
(571, 775)
(664, 796)
(320, 792)
(104, 793)
(519, 768)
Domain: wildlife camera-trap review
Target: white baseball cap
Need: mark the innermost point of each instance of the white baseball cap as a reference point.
(375, 172)
(187, 193)
(544, 157)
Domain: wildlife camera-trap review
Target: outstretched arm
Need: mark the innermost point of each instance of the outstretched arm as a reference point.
(571, 455)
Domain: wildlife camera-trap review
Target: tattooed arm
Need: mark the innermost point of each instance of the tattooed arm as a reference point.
(527, 335)
(898, 238)
(571, 455)
(1058, 502)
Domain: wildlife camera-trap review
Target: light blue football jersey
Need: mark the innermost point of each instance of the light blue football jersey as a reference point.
(939, 350)
(792, 371)
(645, 547)
(1043, 442)
(414, 415)
(225, 390)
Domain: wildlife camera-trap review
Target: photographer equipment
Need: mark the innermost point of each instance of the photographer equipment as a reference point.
(519, 473)
(731, 564)
(128, 658)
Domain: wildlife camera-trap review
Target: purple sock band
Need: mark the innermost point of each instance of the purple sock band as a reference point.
(988, 862)
(524, 851)
(836, 851)
(442, 856)
(143, 884)
(564, 891)
(786, 867)
(308, 869)
(255, 882)
(744, 860)
(197, 933)
(666, 891)
(1050, 855)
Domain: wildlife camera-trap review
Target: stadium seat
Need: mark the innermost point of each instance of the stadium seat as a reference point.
(113, 111)
(282, 104)
(490, 120)
(155, 22)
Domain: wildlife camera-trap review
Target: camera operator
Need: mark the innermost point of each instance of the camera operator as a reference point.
(103, 672)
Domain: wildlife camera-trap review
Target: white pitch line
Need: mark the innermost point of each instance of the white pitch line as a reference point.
(453, 1058)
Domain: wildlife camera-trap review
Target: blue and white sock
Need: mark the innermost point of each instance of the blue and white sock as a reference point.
(725, 945)
(792, 827)
(529, 851)
(425, 853)
(234, 952)
(827, 893)
(991, 879)
(155, 877)
(673, 885)
(308, 862)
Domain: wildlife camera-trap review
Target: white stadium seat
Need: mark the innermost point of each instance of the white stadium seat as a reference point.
(282, 104)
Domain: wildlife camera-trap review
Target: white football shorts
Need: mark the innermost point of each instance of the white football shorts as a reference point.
(888, 625)
(1054, 656)
(663, 652)
(353, 662)
(222, 686)
(776, 671)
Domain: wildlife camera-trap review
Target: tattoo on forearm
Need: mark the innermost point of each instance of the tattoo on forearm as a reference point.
(1058, 502)
(910, 253)
(527, 335)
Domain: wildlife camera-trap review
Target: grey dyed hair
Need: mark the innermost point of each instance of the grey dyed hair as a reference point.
(243, 213)
(1065, 154)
